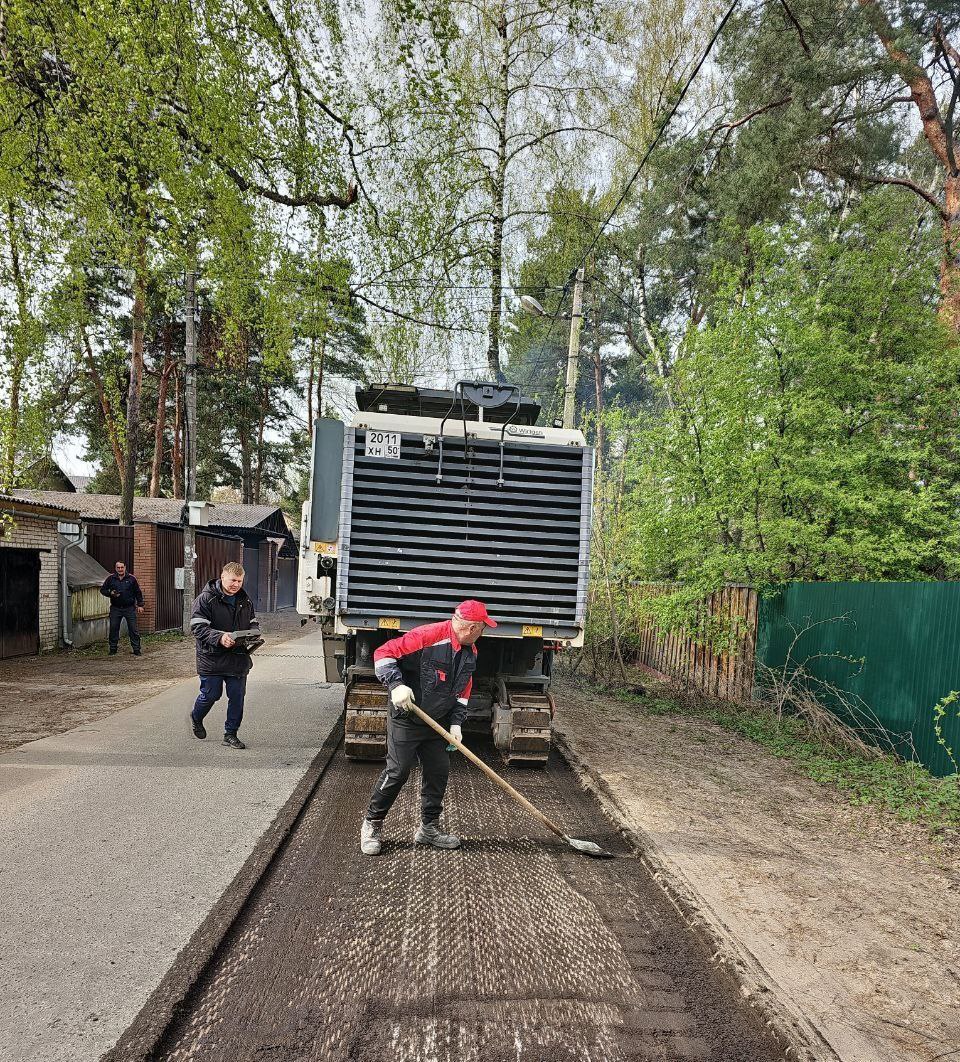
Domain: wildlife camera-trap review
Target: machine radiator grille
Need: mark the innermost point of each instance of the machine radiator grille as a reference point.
(414, 548)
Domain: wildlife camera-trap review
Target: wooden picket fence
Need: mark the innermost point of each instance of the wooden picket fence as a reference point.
(716, 658)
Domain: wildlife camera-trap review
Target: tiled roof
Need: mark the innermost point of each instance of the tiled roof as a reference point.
(153, 510)
(54, 502)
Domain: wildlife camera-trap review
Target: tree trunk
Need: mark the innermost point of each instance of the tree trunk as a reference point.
(135, 385)
(496, 291)
(310, 377)
(497, 206)
(19, 352)
(246, 486)
(323, 354)
(160, 426)
(598, 399)
(176, 457)
(109, 414)
(258, 477)
(950, 267)
(941, 139)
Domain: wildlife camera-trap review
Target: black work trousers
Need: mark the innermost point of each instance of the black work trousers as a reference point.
(407, 744)
(117, 615)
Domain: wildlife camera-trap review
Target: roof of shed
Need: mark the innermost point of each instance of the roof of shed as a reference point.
(82, 570)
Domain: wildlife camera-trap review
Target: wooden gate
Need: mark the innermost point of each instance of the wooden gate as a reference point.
(19, 602)
(169, 598)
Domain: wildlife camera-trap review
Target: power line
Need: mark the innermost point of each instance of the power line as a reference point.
(636, 173)
(174, 273)
(336, 295)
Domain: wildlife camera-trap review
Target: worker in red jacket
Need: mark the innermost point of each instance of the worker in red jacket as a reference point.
(432, 666)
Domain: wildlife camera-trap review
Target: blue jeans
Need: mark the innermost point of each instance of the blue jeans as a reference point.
(211, 690)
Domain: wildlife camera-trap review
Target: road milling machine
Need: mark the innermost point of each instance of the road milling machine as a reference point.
(429, 497)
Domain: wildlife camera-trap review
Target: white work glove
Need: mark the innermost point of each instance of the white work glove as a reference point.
(402, 697)
(456, 732)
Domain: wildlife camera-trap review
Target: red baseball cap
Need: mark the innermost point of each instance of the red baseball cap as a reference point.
(474, 612)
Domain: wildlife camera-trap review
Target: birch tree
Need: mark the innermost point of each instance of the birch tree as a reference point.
(536, 91)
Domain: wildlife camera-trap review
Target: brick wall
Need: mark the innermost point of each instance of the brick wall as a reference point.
(145, 566)
(34, 532)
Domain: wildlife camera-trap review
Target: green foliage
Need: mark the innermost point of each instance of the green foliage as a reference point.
(809, 429)
(940, 713)
(143, 139)
(760, 365)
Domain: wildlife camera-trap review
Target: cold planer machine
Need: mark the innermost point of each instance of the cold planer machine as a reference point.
(429, 497)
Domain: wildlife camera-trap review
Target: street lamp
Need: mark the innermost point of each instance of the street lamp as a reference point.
(532, 306)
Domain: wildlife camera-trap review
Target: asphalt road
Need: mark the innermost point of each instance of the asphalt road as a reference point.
(513, 947)
(119, 836)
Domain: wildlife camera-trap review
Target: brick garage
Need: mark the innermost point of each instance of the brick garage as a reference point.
(157, 553)
(267, 548)
(30, 616)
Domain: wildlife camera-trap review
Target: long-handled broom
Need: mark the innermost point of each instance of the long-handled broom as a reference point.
(586, 847)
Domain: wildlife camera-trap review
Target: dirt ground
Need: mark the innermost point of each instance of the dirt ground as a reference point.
(850, 919)
(54, 692)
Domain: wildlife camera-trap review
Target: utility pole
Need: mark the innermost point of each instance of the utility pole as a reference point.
(573, 352)
(190, 474)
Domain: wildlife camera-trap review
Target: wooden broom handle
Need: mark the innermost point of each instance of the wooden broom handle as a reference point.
(489, 772)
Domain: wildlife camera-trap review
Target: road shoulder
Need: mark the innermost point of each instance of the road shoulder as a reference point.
(842, 923)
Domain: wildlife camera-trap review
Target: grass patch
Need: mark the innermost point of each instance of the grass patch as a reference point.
(102, 649)
(908, 791)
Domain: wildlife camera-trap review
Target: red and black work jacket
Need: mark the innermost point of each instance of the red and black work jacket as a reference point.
(438, 669)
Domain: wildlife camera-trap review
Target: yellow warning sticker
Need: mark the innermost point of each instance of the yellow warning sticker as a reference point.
(326, 549)
(388, 623)
(531, 630)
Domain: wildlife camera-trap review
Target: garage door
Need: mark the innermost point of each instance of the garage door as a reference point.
(251, 581)
(19, 602)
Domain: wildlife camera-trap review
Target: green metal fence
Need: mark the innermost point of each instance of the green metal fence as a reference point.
(908, 635)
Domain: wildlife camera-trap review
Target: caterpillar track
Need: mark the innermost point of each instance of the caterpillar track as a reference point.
(521, 722)
(522, 719)
(365, 720)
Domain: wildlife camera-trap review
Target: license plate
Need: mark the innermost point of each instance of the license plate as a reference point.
(532, 631)
(383, 444)
(388, 623)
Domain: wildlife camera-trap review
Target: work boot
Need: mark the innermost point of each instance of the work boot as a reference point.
(371, 837)
(113, 652)
(199, 730)
(429, 833)
(233, 741)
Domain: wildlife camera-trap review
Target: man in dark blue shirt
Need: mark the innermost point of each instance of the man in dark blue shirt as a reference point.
(126, 600)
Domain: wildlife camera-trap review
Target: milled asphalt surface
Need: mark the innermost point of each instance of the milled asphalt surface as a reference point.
(513, 948)
(118, 837)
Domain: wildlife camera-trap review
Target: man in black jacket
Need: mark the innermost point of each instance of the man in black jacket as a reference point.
(222, 609)
(126, 600)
